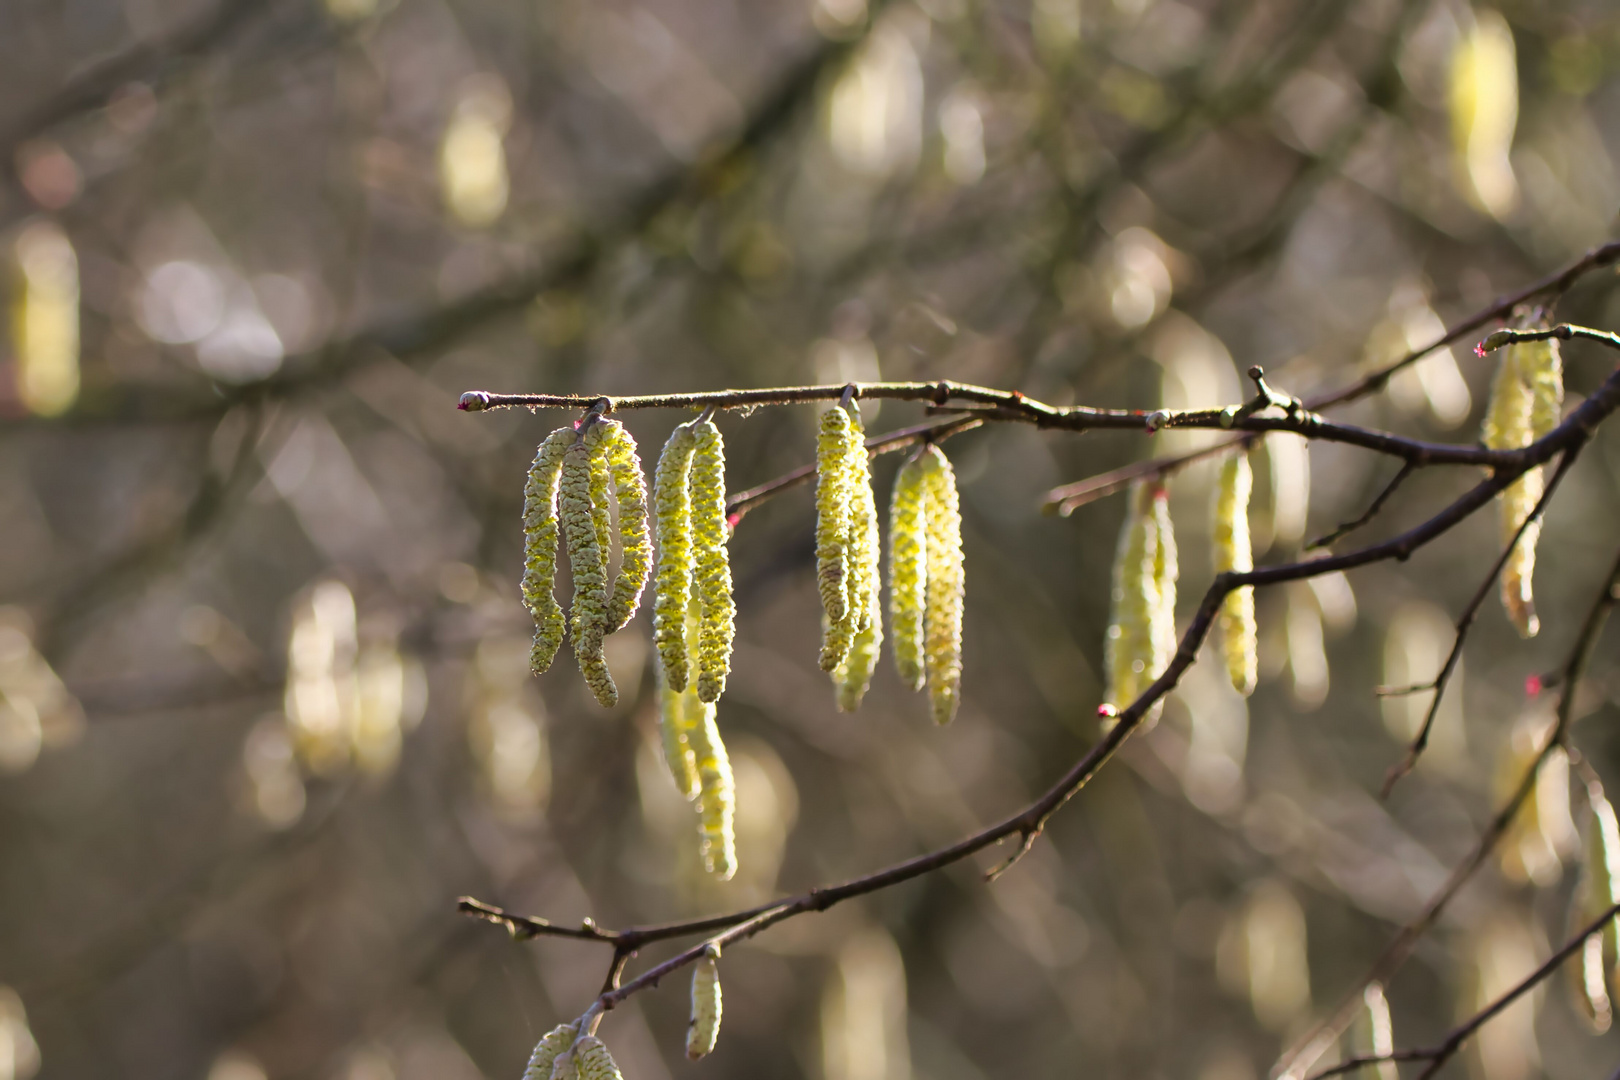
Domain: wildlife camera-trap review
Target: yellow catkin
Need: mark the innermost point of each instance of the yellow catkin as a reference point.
(854, 675)
(704, 1027)
(596, 441)
(832, 514)
(717, 797)
(1526, 401)
(908, 552)
(673, 584)
(1165, 573)
(1129, 646)
(540, 547)
(635, 544)
(588, 618)
(555, 1043)
(566, 1067)
(942, 620)
(673, 724)
(1598, 890)
(711, 570)
(1233, 551)
(593, 1060)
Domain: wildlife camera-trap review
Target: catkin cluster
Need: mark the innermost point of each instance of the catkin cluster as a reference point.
(1527, 397)
(704, 1027)
(1142, 634)
(1234, 552)
(565, 1054)
(1598, 890)
(567, 492)
(697, 760)
(926, 580)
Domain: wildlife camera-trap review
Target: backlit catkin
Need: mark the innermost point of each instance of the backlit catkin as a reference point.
(717, 797)
(1599, 889)
(1129, 645)
(674, 720)
(942, 621)
(1526, 400)
(908, 578)
(673, 584)
(711, 571)
(704, 1027)
(832, 514)
(1234, 552)
(1165, 573)
(553, 1045)
(635, 544)
(587, 559)
(854, 675)
(540, 547)
(593, 1060)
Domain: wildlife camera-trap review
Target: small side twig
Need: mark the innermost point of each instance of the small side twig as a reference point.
(1561, 332)
(1371, 512)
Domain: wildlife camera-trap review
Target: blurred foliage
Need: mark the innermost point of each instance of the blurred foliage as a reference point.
(264, 707)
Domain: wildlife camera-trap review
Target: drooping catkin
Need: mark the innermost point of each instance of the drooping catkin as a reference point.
(1233, 551)
(942, 621)
(832, 514)
(1165, 573)
(1526, 400)
(540, 547)
(588, 561)
(673, 584)
(717, 797)
(635, 544)
(593, 1060)
(1598, 890)
(1129, 645)
(704, 1027)
(711, 571)
(854, 675)
(548, 1049)
(908, 548)
(673, 721)
(859, 555)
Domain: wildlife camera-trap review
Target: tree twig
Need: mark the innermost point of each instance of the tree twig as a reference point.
(1348, 527)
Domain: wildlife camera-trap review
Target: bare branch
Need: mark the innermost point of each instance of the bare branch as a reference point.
(1561, 332)
(1371, 512)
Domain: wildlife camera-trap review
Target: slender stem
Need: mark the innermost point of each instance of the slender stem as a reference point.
(1561, 332)
(1371, 512)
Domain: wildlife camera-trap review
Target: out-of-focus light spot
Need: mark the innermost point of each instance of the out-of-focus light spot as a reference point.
(847, 360)
(244, 347)
(472, 158)
(1212, 771)
(276, 792)
(1307, 659)
(1261, 955)
(1434, 383)
(1372, 1034)
(874, 118)
(236, 1065)
(1336, 599)
(863, 1012)
(45, 327)
(19, 1053)
(1139, 283)
(368, 1064)
(1290, 462)
(767, 810)
(1484, 113)
(961, 125)
(1415, 646)
(1504, 953)
(36, 710)
(1055, 25)
(458, 582)
(291, 309)
(507, 726)
(351, 10)
(48, 174)
(1542, 833)
(838, 18)
(182, 303)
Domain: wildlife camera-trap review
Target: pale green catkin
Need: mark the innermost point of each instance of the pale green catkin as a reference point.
(1597, 891)
(540, 548)
(1165, 573)
(556, 1042)
(635, 543)
(832, 514)
(1233, 551)
(588, 618)
(908, 547)
(673, 584)
(859, 554)
(704, 1027)
(854, 675)
(1526, 401)
(717, 618)
(942, 622)
(594, 1061)
(673, 725)
(717, 797)
(1129, 645)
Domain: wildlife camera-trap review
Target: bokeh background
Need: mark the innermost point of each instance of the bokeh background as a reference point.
(264, 707)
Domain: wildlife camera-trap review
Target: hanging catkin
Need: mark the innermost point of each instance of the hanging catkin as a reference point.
(1234, 552)
(1598, 890)
(942, 621)
(858, 554)
(1129, 646)
(908, 597)
(1526, 400)
(635, 545)
(704, 1027)
(854, 675)
(717, 795)
(832, 514)
(673, 584)
(540, 547)
(588, 618)
(1165, 573)
(555, 1043)
(593, 1060)
(674, 720)
(711, 573)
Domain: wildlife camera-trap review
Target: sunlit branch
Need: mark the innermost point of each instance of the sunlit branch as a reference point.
(1561, 332)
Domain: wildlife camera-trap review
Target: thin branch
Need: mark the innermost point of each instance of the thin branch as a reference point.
(1447, 1048)
(1316, 1041)
(1371, 512)
(1561, 332)
(1466, 620)
(1065, 500)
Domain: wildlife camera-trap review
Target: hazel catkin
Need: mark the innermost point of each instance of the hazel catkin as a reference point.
(832, 514)
(711, 571)
(717, 797)
(1129, 646)
(1165, 573)
(635, 544)
(854, 674)
(674, 723)
(1597, 891)
(672, 585)
(588, 617)
(942, 621)
(1234, 552)
(908, 547)
(555, 1043)
(593, 1060)
(540, 547)
(704, 1027)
